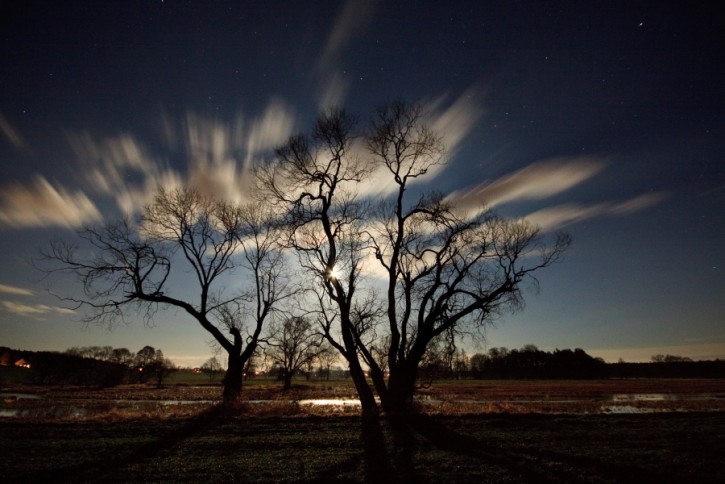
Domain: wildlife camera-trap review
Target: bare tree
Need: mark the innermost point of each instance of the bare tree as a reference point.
(159, 368)
(211, 367)
(326, 357)
(292, 345)
(212, 240)
(311, 183)
(443, 271)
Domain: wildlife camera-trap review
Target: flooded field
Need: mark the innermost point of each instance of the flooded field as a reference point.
(445, 398)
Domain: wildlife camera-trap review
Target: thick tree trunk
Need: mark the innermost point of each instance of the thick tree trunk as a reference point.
(233, 379)
(287, 380)
(367, 398)
(369, 406)
(401, 389)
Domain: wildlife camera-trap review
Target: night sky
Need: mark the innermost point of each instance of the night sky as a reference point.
(604, 119)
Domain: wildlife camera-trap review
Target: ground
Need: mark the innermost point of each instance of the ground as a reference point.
(282, 441)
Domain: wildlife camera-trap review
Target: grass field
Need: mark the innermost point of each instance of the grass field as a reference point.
(216, 446)
(466, 431)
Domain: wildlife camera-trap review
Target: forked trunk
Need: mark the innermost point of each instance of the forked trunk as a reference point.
(233, 379)
(369, 406)
(401, 389)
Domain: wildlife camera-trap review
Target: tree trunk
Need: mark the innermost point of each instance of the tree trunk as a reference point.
(233, 379)
(368, 404)
(401, 388)
(287, 380)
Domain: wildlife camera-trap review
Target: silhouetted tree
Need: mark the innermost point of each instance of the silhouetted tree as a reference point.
(159, 368)
(130, 267)
(211, 367)
(443, 269)
(326, 357)
(669, 358)
(292, 345)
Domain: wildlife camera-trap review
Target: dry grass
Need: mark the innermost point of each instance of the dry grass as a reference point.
(446, 398)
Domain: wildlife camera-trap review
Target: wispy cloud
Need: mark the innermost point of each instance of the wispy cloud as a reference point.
(535, 182)
(44, 205)
(11, 134)
(123, 168)
(19, 291)
(556, 217)
(552, 218)
(638, 203)
(350, 23)
(545, 179)
(451, 120)
(269, 131)
(34, 309)
(218, 154)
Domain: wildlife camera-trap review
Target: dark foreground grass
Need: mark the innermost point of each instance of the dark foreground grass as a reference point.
(217, 446)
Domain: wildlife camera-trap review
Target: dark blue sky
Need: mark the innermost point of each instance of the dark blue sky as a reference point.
(602, 118)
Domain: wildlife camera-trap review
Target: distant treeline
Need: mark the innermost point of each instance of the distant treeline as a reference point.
(105, 366)
(531, 363)
(52, 368)
(91, 367)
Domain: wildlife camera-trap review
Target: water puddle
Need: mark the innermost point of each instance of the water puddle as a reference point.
(644, 397)
(12, 396)
(18, 404)
(339, 402)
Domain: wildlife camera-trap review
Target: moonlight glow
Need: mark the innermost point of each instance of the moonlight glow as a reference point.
(333, 274)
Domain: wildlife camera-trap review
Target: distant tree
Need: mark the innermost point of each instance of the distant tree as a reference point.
(122, 356)
(460, 364)
(252, 366)
(478, 364)
(72, 369)
(142, 361)
(159, 368)
(292, 345)
(130, 268)
(327, 356)
(211, 367)
(670, 359)
(5, 357)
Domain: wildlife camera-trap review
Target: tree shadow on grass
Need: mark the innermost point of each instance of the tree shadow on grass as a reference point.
(374, 458)
(388, 449)
(108, 469)
(525, 462)
(486, 454)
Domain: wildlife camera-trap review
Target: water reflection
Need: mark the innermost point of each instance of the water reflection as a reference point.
(339, 402)
(18, 404)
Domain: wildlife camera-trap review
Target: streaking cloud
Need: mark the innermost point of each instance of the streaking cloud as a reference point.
(18, 291)
(26, 309)
(44, 205)
(537, 181)
(351, 22)
(638, 203)
(553, 218)
(453, 121)
(219, 156)
(11, 134)
(121, 167)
